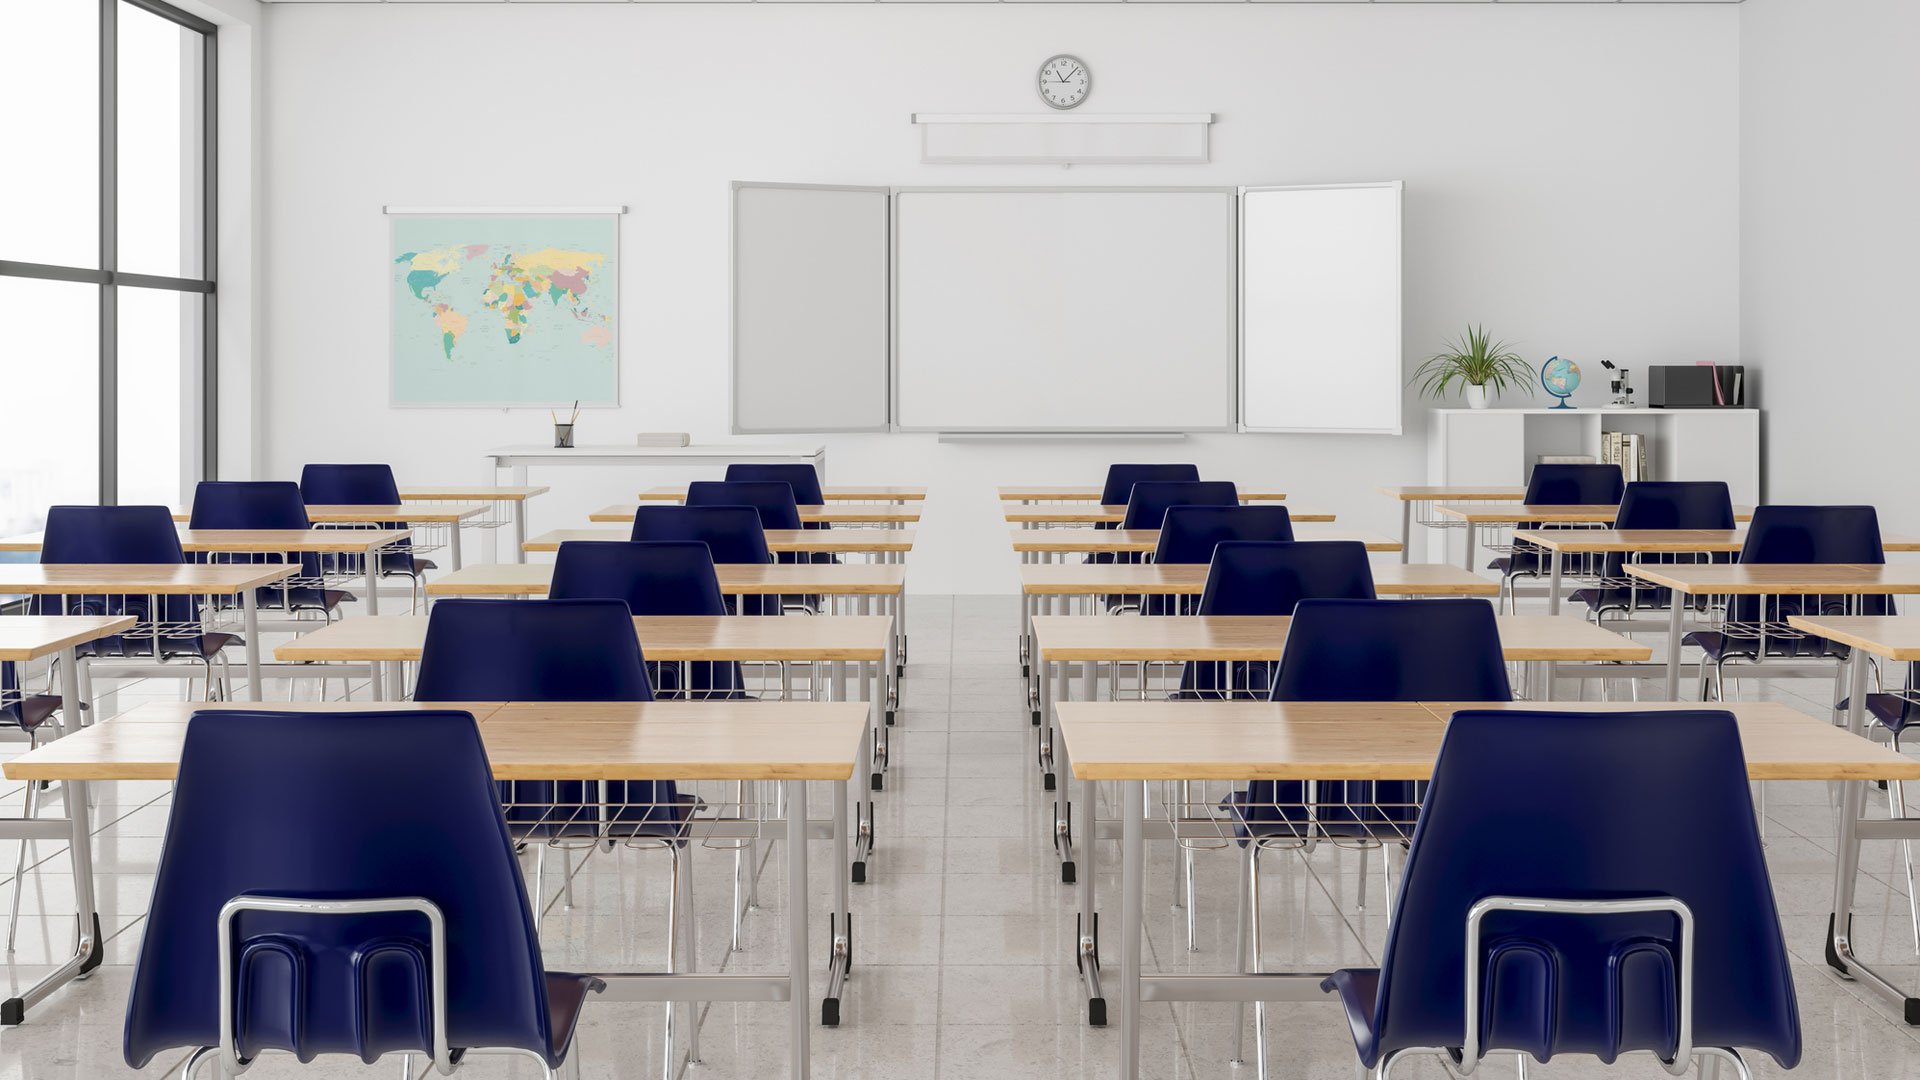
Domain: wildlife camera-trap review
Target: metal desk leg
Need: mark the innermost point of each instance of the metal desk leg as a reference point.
(453, 545)
(798, 1049)
(840, 922)
(863, 808)
(1676, 601)
(1466, 560)
(1086, 954)
(1406, 530)
(520, 530)
(1133, 853)
(250, 607)
(77, 831)
(1847, 863)
(1554, 564)
(373, 580)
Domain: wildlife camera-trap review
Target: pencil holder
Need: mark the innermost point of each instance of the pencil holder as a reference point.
(563, 436)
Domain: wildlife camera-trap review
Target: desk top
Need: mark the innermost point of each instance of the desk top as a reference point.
(1896, 637)
(1661, 540)
(666, 638)
(1397, 579)
(1065, 638)
(622, 513)
(164, 579)
(1216, 740)
(832, 541)
(1075, 493)
(324, 514)
(1143, 540)
(1588, 513)
(478, 493)
(736, 579)
(879, 493)
(264, 541)
(30, 637)
(726, 451)
(1113, 514)
(1443, 492)
(656, 740)
(1764, 579)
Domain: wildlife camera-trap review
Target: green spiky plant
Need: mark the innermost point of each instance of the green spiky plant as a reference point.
(1475, 359)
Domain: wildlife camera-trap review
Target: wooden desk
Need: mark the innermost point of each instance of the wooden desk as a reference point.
(1765, 579)
(884, 542)
(156, 579)
(1141, 541)
(449, 515)
(1190, 579)
(30, 637)
(1896, 637)
(362, 542)
(1137, 743)
(515, 498)
(1475, 517)
(736, 579)
(783, 742)
(1113, 514)
(1413, 496)
(888, 516)
(1222, 638)
(872, 493)
(1079, 493)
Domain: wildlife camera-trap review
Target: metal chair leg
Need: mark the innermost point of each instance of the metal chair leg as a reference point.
(1240, 951)
(1253, 932)
(539, 880)
(667, 1061)
(1897, 805)
(1361, 903)
(20, 868)
(690, 950)
(566, 877)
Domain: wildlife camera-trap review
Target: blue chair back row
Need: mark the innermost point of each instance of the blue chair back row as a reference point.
(1269, 578)
(143, 535)
(732, 534)
(361, 485)
(652, 579)
(1118, 489)
(804, 481)
(259, 504)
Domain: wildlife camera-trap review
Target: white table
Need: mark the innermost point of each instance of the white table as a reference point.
(519, 458)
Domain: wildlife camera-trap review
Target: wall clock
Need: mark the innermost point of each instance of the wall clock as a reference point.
(1064, 81)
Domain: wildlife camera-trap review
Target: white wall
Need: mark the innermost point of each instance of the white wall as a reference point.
(1571, 176)
(1830, 102)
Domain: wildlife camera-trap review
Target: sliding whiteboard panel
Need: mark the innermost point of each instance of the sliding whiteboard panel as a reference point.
(1320, 308)
(809, 308)
(1064, 309)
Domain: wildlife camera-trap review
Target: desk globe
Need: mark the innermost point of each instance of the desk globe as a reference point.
(1561, 378)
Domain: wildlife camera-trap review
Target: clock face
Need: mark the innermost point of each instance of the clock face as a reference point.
(1064, 81)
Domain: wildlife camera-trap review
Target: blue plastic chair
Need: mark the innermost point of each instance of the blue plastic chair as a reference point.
(1189, 533)
(1558, 485)
(1269, 578)
(804, 481)
(264, 504)
(344, 979)
(366, 485)
(1559, 809)
(1147, 507)
(732, 533)
(129, 534)
(1755, 626)
(778, 510)
(1656, 504)
(1118, 488)
(653, 579)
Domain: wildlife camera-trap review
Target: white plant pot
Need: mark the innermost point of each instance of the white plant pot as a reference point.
(1476, 396)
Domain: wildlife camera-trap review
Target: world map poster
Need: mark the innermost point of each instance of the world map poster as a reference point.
(505, 309)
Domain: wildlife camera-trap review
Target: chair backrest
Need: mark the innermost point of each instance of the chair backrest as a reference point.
(349, 485)
(1675, 504)
(111, 534)
(251, 788)
(248, 504)
(1266, 578)
(1575, 485)
(1189, 534)
(531, 650)
(732, 533)
(1566, 806)
(802, 478)
(772, 498)
(1121, 478)
(1392, 650)
(1148, 505)
(1813, 534)
(650, 578)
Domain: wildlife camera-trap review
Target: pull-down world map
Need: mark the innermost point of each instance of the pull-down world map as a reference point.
(500, 309)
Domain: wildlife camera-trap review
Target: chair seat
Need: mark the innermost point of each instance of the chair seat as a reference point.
(1358, 990)
(31, 711)
(1718, 646)
(1890, 711)
(566, 996)
(303, 597)
(201, 646)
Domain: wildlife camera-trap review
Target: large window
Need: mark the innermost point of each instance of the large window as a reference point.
(106, 257)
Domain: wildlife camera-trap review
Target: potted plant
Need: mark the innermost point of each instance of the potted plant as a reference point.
(1475, 362)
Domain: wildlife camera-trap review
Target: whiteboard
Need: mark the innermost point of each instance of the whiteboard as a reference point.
(809, 308)
(1064, 309)
(1320, 308)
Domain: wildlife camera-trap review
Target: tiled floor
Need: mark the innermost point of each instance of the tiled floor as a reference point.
(962, 939)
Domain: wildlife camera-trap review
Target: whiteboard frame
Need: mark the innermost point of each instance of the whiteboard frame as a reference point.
(733, 307)
(893, 302)
(1399, 311)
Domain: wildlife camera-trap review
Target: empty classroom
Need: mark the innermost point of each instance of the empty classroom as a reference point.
(1130, 539)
